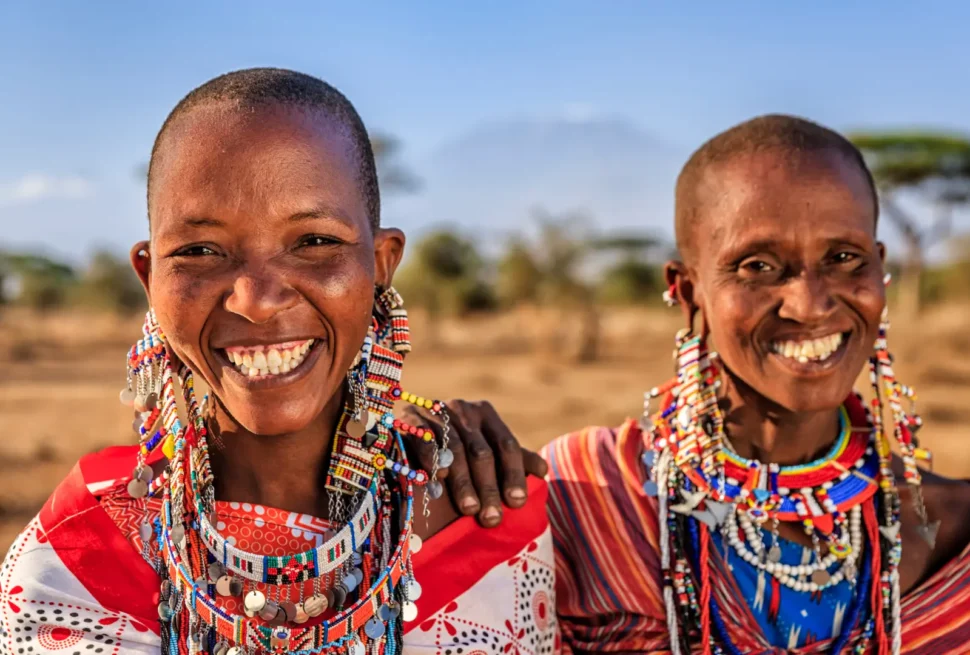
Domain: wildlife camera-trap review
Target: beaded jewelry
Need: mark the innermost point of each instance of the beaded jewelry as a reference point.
(361, 577)
(846, 502)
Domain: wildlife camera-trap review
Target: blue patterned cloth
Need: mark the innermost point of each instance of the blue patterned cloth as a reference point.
(802, 617)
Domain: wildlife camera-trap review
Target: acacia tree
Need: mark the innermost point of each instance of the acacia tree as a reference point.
(935, 166)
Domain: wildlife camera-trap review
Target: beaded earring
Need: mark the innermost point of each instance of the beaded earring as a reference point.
(906, 424)
(147, 381)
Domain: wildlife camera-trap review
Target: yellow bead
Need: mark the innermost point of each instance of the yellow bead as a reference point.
(428, 404)
(419, 401)
(168, 448)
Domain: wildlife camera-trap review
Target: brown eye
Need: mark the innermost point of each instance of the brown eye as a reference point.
(194, 251)
(757, 266)
(315, 240)
(844, 257)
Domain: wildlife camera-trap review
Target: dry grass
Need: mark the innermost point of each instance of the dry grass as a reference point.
(61, 376)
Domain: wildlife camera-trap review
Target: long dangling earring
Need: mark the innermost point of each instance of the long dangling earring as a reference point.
(905, 423)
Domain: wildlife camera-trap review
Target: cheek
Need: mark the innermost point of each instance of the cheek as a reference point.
(343, 291)
(732, 321)
(182, 302)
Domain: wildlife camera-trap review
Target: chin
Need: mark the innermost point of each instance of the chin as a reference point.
(272, 419)
(800, 400)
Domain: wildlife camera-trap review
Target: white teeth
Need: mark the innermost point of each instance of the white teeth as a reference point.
(271, 361)
(810, 350)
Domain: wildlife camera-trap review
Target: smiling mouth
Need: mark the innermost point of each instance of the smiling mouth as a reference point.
(269, 360)
(811, 352)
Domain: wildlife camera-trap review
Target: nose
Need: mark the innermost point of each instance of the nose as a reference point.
(807, 299)
(258, 294)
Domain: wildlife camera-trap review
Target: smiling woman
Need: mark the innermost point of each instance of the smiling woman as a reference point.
(760, 509)
(284, 515)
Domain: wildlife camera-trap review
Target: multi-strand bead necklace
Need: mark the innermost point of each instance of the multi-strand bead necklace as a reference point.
(347, 594)
(846, 502)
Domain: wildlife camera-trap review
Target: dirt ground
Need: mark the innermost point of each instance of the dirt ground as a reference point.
(60, 377)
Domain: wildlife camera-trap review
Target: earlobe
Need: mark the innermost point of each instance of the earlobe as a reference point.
(388, 251)
(881, 247)
(141, 262)
(681, 288)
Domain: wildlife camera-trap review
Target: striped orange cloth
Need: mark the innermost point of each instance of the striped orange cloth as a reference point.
(609, 586)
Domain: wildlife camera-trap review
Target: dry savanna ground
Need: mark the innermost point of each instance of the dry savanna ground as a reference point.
(61, 376)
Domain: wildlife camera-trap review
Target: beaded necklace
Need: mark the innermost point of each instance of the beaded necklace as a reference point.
(702, 485)
(362, 574)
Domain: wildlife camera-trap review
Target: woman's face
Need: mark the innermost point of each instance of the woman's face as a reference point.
(788, 274)
(262, 263)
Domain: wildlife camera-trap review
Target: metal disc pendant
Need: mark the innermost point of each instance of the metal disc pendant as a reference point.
(357, 558)
(146, 531)
(328, 596)
(446, 457)
(216, 571)
(236, 587)
(279, 618)
(269, 610)
(136, 425)
(371, 420)
(140, 403)
(355, 647)
(177, 535)
(774, 554)
(409, 612)
(349, 581)
(289, 609)
(255, 601)
(821, 577)
(374, 628)
(315, 605)
(145, 474)
(356, 429)
(137, 488)
(224, 585)
(339, 596)
(435, 490)
(358, 576)
(384, 612)
(165, 612)
(235, 650)
(413, 589)
(301, 616)
(415, 543)
(127, 397)
(395, 609)
(220, 649)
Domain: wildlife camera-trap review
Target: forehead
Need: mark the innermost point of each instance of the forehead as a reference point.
(783, 195)
(218, 160)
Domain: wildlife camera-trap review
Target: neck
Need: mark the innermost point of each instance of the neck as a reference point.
(761, 430)
(287, 471)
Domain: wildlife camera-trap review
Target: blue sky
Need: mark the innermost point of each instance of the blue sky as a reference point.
(85, 86)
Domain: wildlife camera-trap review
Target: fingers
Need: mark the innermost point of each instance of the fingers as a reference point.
(419, 450)
(534, 464)
(510, 455)
(459, 480)
(481, 463)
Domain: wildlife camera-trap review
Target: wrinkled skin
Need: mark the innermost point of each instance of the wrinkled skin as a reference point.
(260, 235)
(787, 250)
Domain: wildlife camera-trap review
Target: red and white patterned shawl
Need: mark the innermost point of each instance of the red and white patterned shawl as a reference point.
(74, 583)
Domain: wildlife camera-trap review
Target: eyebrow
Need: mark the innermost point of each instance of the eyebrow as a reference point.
(322, 211)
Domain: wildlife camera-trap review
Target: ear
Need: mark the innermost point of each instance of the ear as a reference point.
(681, 284)
(388, 251)
(881, 248)
(141, 261)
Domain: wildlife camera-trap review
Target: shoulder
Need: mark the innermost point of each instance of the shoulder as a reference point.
(511, 566)
(64, 553)
(596, 455)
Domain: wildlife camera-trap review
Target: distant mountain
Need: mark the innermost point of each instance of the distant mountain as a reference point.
(490, 178)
